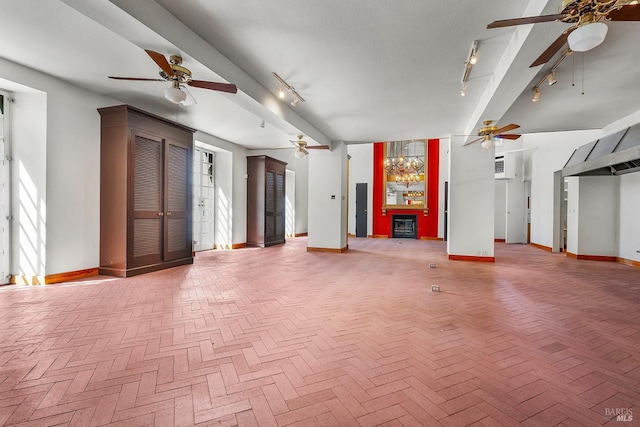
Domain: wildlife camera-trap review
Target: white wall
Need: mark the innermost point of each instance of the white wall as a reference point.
(328, 198)
(552, 150)
(629, 226)
(56, 139)
(471, 201)
(360, 171)
(231, 186)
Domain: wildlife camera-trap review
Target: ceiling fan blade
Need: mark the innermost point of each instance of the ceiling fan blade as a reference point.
(511, 136)
(162, 62)
(317, 147)
(507, 128)
(629, 12)
(189, 100)
(136, 78)
(553, 49)
(472, 142)
(526, 20)
(222, 87)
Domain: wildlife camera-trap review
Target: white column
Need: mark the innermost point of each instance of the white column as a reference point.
(328, 199)
(471, 202)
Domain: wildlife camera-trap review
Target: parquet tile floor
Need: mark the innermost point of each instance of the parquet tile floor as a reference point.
(283, 337)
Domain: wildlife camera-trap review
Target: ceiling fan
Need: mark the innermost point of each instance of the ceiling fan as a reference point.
(588, 16)
(302, 147)
(490, 133)
(180, 77)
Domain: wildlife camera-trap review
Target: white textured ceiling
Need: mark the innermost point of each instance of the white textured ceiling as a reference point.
(369, 70)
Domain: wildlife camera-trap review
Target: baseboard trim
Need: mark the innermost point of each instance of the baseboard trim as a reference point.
(543, 247)
(430, 238)
(54, 278)
(328, 250)
(604, 258)
(239, 245)
(500, 240)
(628, 262)
(380, 236)
(472, 258)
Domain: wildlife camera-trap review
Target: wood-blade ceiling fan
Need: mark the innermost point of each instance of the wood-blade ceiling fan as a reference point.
(588, 15)
(180, 77)
(302, 146)
(490, 132)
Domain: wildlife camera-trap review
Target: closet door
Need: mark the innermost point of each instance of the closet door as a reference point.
(270, 207)
(145, 196)
(178, 225)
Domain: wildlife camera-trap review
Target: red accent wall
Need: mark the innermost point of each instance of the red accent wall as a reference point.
(427, 225)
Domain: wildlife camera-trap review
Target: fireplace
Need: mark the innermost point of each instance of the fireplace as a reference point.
(404, 226)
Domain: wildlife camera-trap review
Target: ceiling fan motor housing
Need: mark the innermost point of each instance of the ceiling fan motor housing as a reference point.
(181, 74)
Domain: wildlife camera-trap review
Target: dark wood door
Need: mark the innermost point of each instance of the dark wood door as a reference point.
(177, 182)
(146, 197)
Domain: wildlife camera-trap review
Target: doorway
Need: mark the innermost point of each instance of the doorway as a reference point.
(5, 191)
(361, 209)
(203, 199)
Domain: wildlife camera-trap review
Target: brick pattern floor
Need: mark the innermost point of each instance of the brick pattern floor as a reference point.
(283, 337)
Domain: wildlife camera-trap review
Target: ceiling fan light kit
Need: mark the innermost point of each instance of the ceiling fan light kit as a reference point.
(587, 36)
(174, 94)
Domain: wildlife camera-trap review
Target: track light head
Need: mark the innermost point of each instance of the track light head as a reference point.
(281, 92)
(551, 77)
(536, 95)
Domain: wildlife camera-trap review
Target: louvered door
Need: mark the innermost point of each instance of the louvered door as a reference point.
(178, 226)
(146, 196)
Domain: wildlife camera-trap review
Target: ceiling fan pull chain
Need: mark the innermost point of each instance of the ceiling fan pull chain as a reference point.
(583, 73)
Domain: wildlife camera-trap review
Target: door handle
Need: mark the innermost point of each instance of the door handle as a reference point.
(168, 213)
(160, 214)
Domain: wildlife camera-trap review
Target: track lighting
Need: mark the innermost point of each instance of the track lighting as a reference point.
(536, 95)
(286, 87)
(471, 61)
(551, 77)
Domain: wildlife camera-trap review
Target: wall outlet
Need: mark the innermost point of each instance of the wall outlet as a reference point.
(435, 288)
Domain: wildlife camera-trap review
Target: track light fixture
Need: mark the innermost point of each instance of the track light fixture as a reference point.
(550, 77)
(471, 61)
(284, 86)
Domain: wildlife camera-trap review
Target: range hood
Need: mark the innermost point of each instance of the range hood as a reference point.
(614, 154)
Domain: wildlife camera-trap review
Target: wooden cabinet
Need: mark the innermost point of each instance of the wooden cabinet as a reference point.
(145, 192)
(265, 201)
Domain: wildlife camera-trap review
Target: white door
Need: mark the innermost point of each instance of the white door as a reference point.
(5, 200)
(516, 227)
(203, 200)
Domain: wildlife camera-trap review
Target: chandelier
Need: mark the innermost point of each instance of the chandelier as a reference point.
(403, 169)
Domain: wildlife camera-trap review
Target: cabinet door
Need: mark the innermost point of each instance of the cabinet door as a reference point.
(178, 215)
(280, 206)
(270, 207)
(146, 222)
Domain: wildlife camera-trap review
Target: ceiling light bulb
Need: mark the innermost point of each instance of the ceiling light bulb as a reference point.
(295, 102)
(634, 2)
(551, 77)
(175, 95)
(474, 59)
(587, 36)
(281, 93)
(536, 96)
(299, 154)
(463, 91)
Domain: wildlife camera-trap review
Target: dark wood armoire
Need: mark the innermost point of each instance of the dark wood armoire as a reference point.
(265, 201)
(145, 192)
